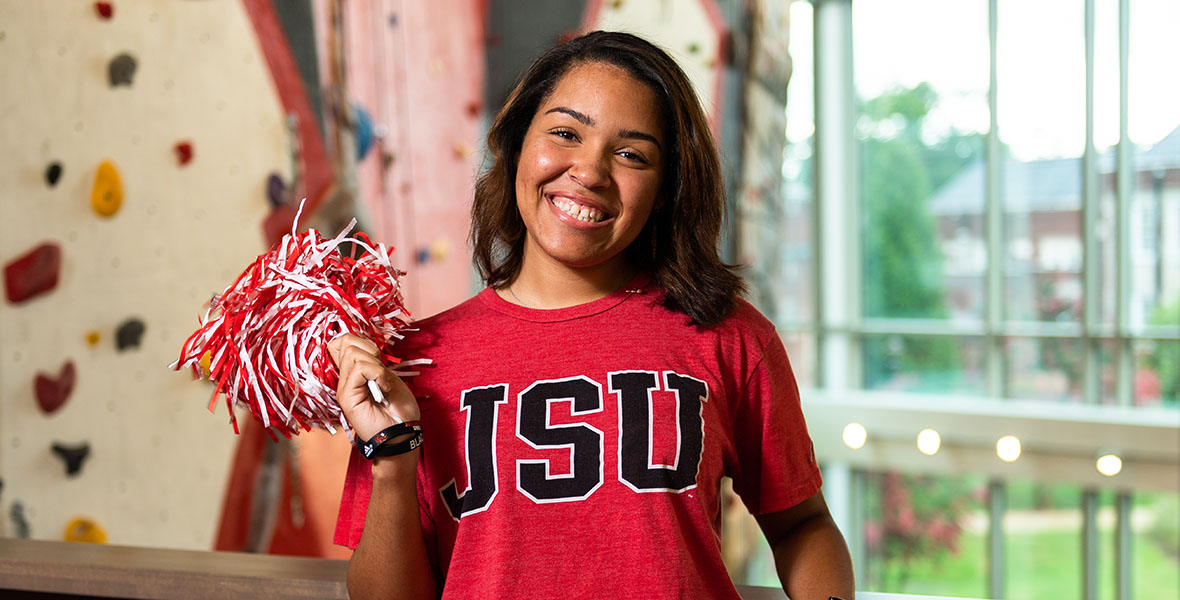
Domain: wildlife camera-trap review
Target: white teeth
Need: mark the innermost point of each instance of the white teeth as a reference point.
(581, 213)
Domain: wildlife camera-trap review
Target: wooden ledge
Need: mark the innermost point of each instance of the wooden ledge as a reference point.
(90, 570)
(44, 570)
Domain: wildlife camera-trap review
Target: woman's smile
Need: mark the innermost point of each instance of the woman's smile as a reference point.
(582, 211)
(590, 168)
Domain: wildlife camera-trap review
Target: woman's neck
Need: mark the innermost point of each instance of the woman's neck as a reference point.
(547, 284)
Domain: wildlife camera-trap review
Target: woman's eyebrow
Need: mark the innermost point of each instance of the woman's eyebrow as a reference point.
(630, 134)
(582, 118)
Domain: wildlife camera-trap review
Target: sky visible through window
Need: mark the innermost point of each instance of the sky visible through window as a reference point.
(952, 55)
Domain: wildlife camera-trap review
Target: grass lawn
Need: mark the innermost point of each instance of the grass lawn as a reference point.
(1040, 565)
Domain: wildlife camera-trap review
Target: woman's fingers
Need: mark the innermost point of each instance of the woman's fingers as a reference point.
(343, 342)
(359, 363)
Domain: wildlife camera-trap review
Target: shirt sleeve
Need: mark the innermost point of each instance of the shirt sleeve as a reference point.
(354, 502)
(776, 461)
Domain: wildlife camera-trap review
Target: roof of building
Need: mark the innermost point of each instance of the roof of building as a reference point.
(1042, 185)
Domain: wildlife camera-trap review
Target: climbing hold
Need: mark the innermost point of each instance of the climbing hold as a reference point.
(461, 151)
(440, 249)
(277, 224)
(107, 194)
(93, 337)
(53, 173)
(105, 9)
(33, 273)
(81, 529)
(393, 20)
(206, 364)
(121, 70)
(52, 392)
(276, 190)
(473, 108)
(694, 48)
(72, 456)
(184, 152)
(423, 256)
(364, 131)
(128, 334)
(19, 523)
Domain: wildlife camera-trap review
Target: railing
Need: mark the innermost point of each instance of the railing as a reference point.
(63, 570)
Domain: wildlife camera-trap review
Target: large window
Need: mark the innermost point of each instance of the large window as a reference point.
(1002, 181)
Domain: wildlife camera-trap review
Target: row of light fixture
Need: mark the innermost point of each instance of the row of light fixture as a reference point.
(1007, 447)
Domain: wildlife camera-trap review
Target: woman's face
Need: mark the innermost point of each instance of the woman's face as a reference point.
(590, 166)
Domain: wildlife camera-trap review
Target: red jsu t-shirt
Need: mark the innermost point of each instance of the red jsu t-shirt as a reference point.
(578, 452)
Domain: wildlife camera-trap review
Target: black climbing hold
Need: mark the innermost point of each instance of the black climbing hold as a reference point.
(276, 190)
(128, 334)
(72, 456)
(19, 522)
(121, 70)
(53, 173)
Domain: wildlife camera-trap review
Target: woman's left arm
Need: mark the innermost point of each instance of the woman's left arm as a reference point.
(809, 552)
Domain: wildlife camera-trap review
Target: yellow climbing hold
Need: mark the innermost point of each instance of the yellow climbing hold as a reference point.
(107, 195)
(206, 362)
(93, 337)
(81, 529)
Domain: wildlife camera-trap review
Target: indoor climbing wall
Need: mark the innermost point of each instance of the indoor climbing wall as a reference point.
(419, 86)
(692, 31)
(137, 144)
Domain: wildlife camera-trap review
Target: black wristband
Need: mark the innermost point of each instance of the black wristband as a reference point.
(379, 444)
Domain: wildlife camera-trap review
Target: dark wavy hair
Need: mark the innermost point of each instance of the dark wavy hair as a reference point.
(678, 245)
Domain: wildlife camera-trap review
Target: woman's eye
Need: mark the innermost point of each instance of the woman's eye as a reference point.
(633, 156)
(564, 134)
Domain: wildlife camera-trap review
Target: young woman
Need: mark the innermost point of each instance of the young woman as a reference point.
(583, 408)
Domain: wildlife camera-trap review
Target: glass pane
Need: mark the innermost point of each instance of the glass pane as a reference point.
(1155, 545)
(921, 126)
(1108, 373)
(802, 352)
(1106, 136)
(925, 363)
(1043, 541)
(1041, 123)
(1044, 368)
(1107, 545)
(1157, 373)
(925, 535)
(1154, 128)
(776, 204)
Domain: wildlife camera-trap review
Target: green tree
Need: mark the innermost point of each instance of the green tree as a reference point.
(903, 272)
(1165, 359)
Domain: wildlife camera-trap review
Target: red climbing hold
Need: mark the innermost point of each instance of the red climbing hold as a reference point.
(53, 392)
(105, 9)
(184, 152)
(277, 224)
(32, 274)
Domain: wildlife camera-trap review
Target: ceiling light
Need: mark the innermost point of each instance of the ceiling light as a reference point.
(929, 442)
(1008, 448)
(855, 435)
(1109, 464)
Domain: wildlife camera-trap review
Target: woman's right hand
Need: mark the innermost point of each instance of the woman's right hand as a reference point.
(358, 361)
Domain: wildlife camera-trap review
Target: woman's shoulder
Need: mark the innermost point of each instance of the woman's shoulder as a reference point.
(425, 333)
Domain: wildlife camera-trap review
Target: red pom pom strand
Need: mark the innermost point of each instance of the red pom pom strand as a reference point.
(268, 332)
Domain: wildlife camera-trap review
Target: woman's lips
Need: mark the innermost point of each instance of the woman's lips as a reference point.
(576, 213)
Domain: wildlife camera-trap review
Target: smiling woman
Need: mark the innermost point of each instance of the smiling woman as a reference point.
(588, 179)
(658, 135)
(590, 400)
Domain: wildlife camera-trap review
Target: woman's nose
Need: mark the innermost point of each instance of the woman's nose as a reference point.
(590, 170)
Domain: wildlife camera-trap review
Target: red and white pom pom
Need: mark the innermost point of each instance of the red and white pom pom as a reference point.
(268, 332)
